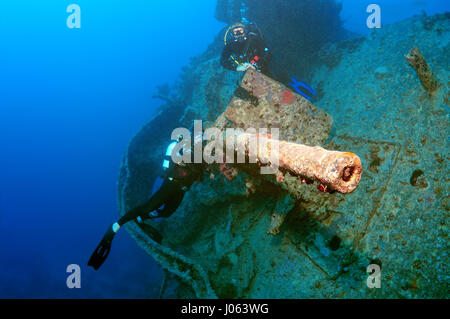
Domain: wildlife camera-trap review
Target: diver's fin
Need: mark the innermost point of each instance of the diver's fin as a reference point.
(308, 87)
(102, 251)
(297, 85)
(99, 256)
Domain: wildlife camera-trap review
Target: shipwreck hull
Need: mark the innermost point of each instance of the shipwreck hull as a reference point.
(229, 215)
(260, 238)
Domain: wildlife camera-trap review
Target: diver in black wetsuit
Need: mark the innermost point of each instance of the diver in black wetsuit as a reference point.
(245, 48)
(178, 178)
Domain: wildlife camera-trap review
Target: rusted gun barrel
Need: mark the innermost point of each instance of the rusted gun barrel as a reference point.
(339, 171)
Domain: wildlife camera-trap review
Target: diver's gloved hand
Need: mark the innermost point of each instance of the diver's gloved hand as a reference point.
(244, 67)
(102, 251)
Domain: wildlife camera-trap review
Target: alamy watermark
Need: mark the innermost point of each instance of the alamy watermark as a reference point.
(74, 279)
(74, 19)
(257, 146)
(374, 20)
(374, 279)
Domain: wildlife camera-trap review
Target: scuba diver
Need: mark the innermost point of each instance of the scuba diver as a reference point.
(245, 48)
(177, 179)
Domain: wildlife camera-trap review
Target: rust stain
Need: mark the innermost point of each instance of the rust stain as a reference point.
(288, 97)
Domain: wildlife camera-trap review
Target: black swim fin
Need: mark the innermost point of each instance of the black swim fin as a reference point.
(102, 251)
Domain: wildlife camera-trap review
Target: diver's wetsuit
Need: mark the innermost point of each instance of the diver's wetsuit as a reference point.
(177, 180)
(250, 49)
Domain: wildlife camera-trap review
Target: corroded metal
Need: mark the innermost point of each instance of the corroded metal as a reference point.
(270, 104)
(338, 171)
(266, 103)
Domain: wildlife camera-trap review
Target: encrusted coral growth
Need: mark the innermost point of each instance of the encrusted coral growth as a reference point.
(283, 205)
(177, 264)
(250, 186)
(417, 61)
(230, 173)
(280, 177)
(298, 121)
(275, 224)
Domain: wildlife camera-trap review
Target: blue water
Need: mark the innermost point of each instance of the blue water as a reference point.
(70, 101)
